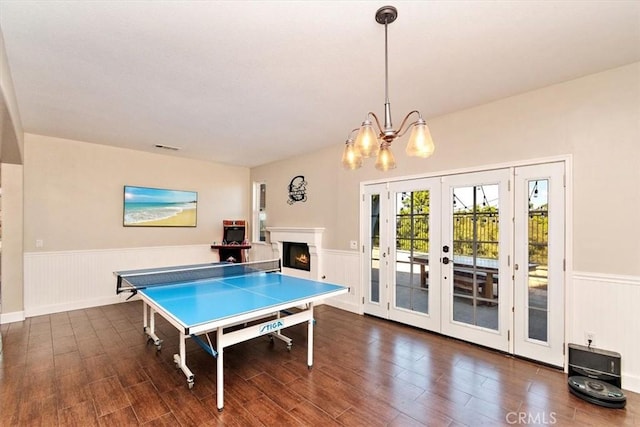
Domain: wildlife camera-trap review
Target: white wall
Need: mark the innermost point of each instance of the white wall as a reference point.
(595, 120)
(73, 195)
(73, 204)
(12, 226)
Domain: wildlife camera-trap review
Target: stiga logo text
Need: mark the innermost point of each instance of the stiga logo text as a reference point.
(272, 326)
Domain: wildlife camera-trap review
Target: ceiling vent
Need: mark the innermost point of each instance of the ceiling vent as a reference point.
(166, 147)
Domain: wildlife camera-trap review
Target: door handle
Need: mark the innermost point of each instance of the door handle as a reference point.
(445, 260)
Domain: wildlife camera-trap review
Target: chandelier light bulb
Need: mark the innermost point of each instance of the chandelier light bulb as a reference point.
(351, 158)
(367, 140)
(420, 142)
(385, 159)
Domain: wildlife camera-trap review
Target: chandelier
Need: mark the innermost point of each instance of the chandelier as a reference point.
(377, 142)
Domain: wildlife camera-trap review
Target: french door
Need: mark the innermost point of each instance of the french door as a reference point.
(400, 228)
(476, 244)
(539, 271)
(476, 256)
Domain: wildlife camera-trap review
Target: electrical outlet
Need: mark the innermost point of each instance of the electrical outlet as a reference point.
(590, 339)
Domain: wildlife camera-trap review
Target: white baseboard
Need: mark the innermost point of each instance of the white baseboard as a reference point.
(342, 305)
(75, 305)
(15, 316)
(630, 382)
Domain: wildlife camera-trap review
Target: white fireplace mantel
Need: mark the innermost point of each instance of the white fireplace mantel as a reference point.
(312, 236)
(308, 235)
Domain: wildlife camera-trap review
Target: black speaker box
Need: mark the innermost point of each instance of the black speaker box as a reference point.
(595, 363)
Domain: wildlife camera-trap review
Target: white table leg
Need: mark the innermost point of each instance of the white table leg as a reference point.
(220, 370)
(152, 321)
(181, 361)
(310, 339)
(145, 317)
(149, 325)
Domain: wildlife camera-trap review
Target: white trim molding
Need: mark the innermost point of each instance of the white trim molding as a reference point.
(607, 278)
(14, 316)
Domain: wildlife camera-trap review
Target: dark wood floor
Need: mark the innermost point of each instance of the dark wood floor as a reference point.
(93, 367)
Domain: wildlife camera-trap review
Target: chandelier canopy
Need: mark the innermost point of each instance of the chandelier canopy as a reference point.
(370, 141)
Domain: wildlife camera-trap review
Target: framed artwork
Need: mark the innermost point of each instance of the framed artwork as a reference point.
(157, 207)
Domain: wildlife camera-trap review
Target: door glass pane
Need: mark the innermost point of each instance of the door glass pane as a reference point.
(475, 255)
(538, 233)
(374, 293)
(412, 249)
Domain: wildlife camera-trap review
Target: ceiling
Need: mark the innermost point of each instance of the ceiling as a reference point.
(251, 82)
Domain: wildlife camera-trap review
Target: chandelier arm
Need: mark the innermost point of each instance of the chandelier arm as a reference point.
(402, 131)
(351, 133)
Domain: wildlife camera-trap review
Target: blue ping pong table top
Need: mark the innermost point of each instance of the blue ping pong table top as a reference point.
(204, 301)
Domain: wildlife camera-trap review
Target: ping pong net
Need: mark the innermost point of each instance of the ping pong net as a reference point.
(135, 280)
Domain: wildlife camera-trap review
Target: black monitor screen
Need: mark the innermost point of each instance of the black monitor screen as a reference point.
(234, 235)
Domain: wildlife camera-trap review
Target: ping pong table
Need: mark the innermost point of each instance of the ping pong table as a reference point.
(237, 301)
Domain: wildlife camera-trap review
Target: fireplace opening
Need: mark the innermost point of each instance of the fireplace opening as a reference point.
(296, 255)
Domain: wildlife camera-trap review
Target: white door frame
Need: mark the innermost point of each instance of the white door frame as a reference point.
(568, 220)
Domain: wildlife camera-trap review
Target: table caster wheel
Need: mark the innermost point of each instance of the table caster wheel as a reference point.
(190, 384)
(289, 347)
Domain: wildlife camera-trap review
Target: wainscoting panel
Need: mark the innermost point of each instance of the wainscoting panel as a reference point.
(70, 280)
(261, 252)
(343, 268)
(608, 306)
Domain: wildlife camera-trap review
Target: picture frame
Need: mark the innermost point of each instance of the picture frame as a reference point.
(159, 207)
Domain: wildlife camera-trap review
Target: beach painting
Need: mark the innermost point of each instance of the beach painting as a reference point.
(156, 207)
